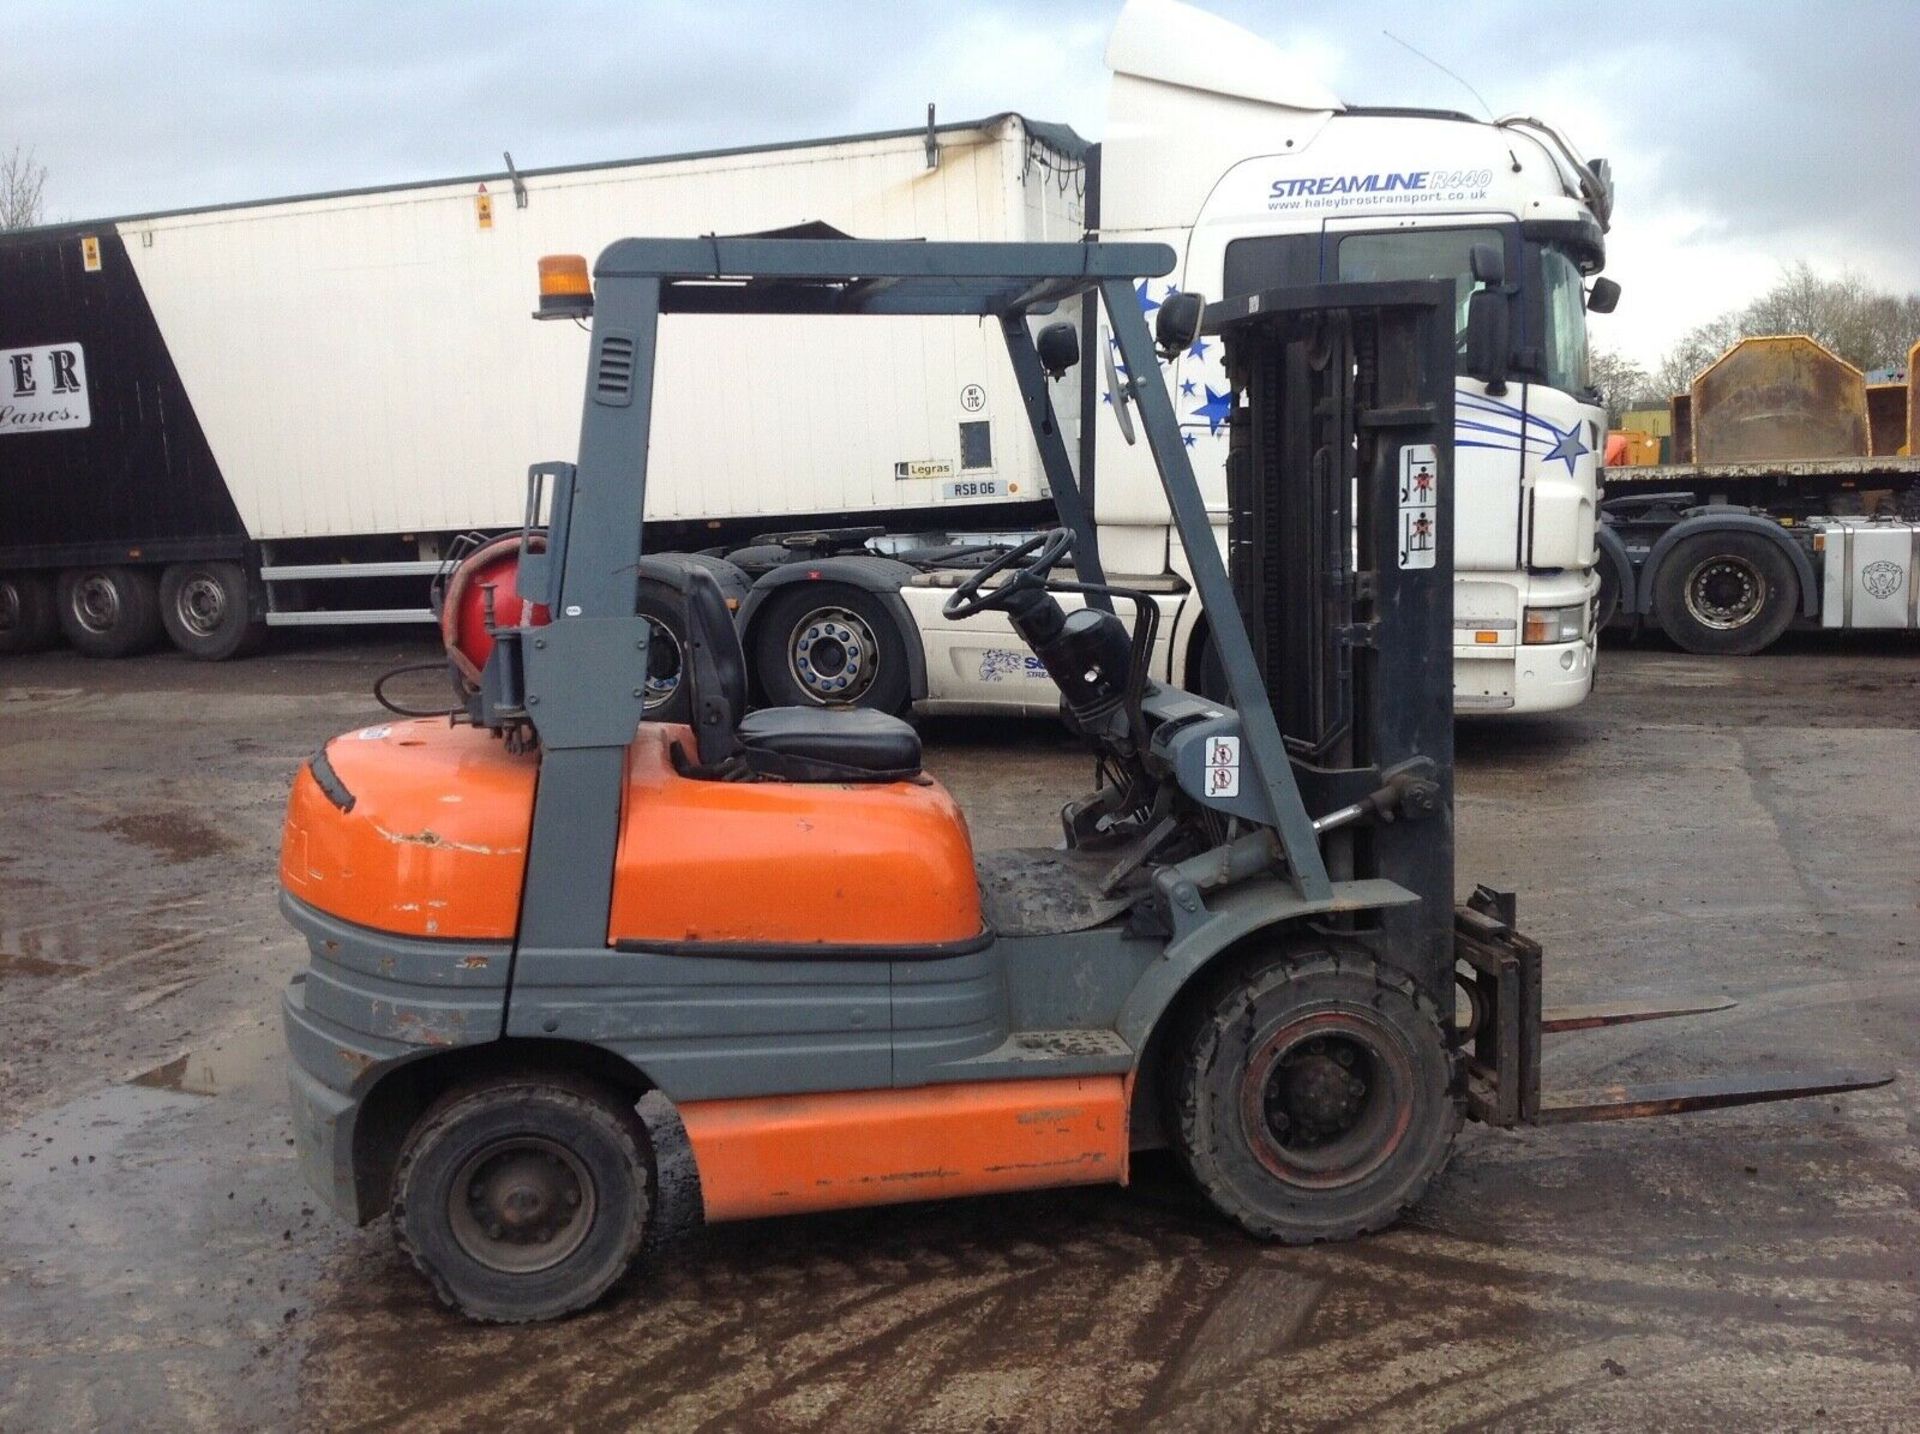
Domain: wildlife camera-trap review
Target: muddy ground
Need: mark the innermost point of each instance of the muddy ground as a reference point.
(1741, 828)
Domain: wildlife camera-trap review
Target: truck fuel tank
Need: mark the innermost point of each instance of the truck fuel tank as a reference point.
(1871, 565)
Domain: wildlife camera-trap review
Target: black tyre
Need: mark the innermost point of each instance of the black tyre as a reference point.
(109, 612)
(207, 609)
(1315, 1097)
(524, 1197)
(668, 698)
(1725, 594)
(29, 617)
(829, 645)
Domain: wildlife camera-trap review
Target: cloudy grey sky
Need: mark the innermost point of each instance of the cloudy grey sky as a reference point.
(1743, 136)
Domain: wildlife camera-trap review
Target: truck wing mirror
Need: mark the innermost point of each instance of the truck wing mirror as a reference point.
(1177, 324)
(1489, 265)
(1059, 346)
(1603, 296)
(1487, 343)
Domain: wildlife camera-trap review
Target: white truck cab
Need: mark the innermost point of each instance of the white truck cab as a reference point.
(1220, 145)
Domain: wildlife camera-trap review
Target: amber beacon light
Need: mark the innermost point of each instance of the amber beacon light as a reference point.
(565, 290)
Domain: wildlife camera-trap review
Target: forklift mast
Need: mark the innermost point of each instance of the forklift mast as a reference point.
(1340, 542)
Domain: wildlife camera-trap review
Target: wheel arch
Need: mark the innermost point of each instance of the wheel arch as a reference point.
(870, 573)
(398, 1095)
(1165, 996)
(1615, 560)
(672, 570)
(1742, 522)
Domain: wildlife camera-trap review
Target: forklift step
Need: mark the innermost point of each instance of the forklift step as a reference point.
(1555, 1019)
(1629, 1102)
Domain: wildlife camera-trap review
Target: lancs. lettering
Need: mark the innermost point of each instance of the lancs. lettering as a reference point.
(11, 417)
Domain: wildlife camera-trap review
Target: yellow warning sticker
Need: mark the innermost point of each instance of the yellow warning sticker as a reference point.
(90, 253)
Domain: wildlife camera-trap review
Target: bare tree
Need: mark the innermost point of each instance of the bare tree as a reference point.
(23, 181)
(1623, 384)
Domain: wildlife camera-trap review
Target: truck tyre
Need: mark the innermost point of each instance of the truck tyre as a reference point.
(668, 698)
(29, 620)
(109, 612)
(524, 1197)
(207, 609)
(1725, 594)
(1315, 1097)
(829, 645)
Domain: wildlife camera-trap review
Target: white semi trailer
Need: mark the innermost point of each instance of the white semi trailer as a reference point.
(292, 410)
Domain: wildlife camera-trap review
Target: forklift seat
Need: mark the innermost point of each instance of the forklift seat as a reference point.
(793, 744)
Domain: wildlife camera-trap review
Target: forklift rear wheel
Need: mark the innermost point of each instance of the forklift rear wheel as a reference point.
(110, 611)
(1315, 1097)
(28, 620)
(1727, 594)
(207, 609)
(828, 645)
(525, 1197)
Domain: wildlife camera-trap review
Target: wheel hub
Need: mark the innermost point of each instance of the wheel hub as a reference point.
(521, 1205)
(832, 654)
(665, 666)
(1725, 592)
(96, 603)
(201, 605)
(1327, 1098)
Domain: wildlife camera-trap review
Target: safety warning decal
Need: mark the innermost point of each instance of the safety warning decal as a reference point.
(1419, 506)
(1223, 766)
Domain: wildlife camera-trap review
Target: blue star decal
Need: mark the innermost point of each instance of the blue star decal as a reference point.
(1199, 349)
(1186, 388)
(1567, 446)
(1215, 409)
(1188, 439)
(1147, 305)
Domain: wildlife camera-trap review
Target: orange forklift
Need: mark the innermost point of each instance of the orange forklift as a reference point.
(525, 916)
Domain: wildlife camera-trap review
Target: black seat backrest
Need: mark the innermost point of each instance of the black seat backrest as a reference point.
(716, 668)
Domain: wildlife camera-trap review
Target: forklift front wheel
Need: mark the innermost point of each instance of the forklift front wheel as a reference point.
(525, 1197)
(1315, 1098)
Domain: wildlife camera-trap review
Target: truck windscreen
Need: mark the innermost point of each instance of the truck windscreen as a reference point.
(1420, 254)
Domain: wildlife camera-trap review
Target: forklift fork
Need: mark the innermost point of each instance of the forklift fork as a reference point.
(1499, 971)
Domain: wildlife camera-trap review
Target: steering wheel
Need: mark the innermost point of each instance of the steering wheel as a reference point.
(1042, 552)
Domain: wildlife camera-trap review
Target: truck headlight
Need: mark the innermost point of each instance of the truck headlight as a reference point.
(1554, 624)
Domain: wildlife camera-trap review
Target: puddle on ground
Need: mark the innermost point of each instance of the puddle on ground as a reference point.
(218, 1067)
(177, 836)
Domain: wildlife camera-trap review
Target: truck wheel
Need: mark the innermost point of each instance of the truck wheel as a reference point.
(829, 645)
(524, 1197)
(668, 698)
(1315, 1097)
(207, 610)
(1725, 594)
(29, 620)
(109, 612)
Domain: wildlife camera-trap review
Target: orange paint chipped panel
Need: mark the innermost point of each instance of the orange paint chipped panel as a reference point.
(403, 859)
(782, 1155)
(883, 863)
